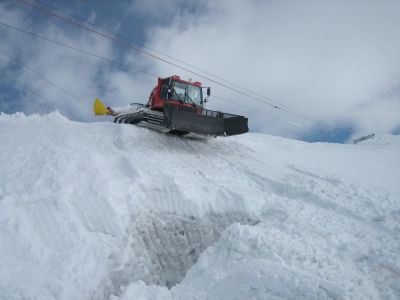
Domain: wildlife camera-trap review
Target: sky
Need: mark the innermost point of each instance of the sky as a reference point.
(332, 66)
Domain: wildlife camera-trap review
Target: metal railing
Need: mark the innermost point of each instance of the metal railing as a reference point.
(364, 138)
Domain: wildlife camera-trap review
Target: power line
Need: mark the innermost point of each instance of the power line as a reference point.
(171, 57)
(141, 45)
(259, 111)
(30, 89)
(129, 66)
(14, 61)
(244, 106)
(129, 45)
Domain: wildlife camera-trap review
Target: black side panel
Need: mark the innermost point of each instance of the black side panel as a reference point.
(202, 121)
(236, 125)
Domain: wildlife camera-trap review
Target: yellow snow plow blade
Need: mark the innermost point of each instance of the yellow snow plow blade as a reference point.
(99, 108)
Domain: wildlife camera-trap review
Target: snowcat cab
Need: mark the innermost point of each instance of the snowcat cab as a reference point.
(177, 106)
(176, 91)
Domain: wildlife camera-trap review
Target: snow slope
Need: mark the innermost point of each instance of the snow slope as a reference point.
(107, 211)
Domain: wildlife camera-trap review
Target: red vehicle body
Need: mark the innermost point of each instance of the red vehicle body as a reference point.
(177, 91)
(177, 106)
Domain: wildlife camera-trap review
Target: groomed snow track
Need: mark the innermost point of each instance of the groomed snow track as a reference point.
(114, 211)
(161, 248)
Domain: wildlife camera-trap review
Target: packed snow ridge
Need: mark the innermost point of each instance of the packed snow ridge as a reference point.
(117, 212)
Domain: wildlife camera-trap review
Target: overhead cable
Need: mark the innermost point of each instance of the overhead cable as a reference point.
(141, 45)
(128, 66)
(15, 61)
(132, 46)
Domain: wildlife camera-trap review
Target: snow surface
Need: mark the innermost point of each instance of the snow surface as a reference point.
(109, 211)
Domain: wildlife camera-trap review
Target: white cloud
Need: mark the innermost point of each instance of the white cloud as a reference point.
(328, 59)
(162, 12)
(333, 60)
(82, 76)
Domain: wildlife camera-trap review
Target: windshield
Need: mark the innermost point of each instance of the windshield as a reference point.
(186, 93)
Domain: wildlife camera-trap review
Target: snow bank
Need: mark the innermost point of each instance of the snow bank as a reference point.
(107, 211)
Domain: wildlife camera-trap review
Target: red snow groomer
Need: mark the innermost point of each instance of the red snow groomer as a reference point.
(177, 106)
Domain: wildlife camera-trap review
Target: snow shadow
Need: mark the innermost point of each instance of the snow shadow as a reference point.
(161, 248)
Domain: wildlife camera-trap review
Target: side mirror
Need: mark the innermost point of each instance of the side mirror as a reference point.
(208, 91)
